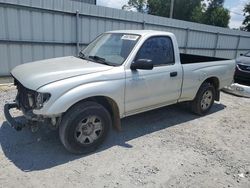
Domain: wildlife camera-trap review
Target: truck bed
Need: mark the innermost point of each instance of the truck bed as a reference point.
(198, 68)
(190, 58)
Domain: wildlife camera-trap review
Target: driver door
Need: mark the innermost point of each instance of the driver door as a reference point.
(147, 89)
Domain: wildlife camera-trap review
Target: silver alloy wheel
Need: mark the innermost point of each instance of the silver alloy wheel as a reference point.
(206, 100)
(89, 129)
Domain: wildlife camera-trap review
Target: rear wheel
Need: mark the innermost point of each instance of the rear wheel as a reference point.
(204, 99)
(84, 127)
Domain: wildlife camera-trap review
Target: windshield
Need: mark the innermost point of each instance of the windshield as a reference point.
(247, 54)
(110, 48)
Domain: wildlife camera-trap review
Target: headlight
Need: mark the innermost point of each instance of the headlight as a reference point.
(41, 98)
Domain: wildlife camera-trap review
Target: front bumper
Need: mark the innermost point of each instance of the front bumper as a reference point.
(11, 120)
(241, 75)
(238, 90)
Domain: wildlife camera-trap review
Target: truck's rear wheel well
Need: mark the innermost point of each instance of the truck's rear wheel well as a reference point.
(215, 82)
(111, 106)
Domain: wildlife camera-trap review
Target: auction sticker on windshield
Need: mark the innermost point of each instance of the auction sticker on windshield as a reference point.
(130, 37)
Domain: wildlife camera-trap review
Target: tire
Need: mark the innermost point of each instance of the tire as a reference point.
(204, 99)
(84, 127)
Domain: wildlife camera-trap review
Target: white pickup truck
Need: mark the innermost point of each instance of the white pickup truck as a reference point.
(121, 73)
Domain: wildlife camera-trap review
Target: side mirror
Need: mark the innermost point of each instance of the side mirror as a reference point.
(144, 64)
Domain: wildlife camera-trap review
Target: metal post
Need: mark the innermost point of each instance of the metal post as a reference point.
(171, 9)
(237, 47)
(216, 43)
(77, 32)
(186, 42)
(143, 24)
(143, 21)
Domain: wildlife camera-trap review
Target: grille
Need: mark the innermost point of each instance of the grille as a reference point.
(25, 97)
(244, 67)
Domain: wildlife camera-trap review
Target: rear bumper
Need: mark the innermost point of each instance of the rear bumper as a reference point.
(11, 120)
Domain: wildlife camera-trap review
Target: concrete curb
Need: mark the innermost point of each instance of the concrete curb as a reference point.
(6, 80)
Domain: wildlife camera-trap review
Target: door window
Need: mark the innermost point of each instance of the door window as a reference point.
(158, 49)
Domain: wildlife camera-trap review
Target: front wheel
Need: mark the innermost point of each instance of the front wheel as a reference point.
(204, 99)
(84, 127)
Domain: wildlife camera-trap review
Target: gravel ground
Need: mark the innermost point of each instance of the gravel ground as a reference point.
(168, 147)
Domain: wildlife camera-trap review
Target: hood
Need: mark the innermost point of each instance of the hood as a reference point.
(243, 60)
(36, 74)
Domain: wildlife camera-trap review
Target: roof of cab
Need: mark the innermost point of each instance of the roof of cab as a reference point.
(141, 32)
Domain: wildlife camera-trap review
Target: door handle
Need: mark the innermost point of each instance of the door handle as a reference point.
(173, 74)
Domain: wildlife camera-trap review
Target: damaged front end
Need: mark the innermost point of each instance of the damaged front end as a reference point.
(26, 100)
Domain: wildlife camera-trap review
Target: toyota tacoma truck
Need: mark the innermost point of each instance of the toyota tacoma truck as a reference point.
(119, 74)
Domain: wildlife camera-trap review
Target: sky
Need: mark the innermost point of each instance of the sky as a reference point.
(234, 6)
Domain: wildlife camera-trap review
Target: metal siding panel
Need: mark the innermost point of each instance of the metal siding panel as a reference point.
(121, 25)
(58, 4)
(47, 3)
(48, 26)
(58, 28)
(2, 23)
(93, 10)
(14, 59)
(85, 8)
(24, 2)
(38, 52)
(68, 50)
(201, 40)
(49, 52)
(100, 26)
(58, 51)
(180, 35)
(25, 30)
(85, 30)
(27, 53)
(229, 42)
(4, 63)
(108, 25)
(75, 6)
(41, 25)
(93, 29)
(37, 3)
(73, 51)
(116, 25)
(37, 22)
(244, 43)
(67, 5)
(12, 1)
(12, 19)
(200, 52)
(73, 28)
(67, 28)
(225, 54)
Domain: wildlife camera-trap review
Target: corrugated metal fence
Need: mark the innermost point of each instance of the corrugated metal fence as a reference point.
(38, 29)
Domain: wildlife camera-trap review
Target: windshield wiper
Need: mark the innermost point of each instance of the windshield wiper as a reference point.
(82, 55)
(99, 59)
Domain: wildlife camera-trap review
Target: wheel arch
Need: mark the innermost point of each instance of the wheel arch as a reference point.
(110, 105)
(216, 83)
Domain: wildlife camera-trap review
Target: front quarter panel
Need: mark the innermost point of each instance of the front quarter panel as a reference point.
(66, 93)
